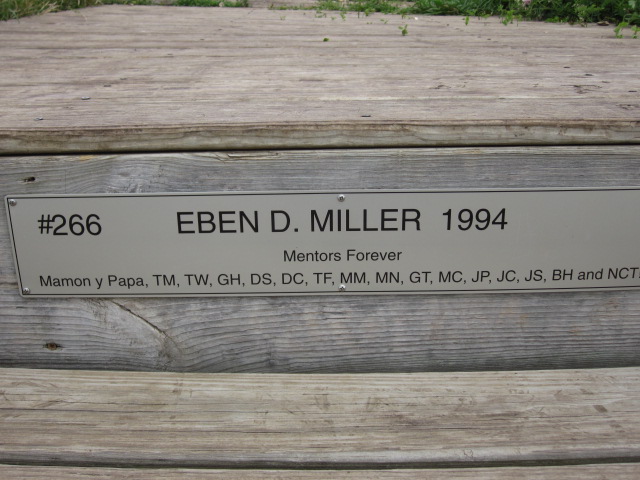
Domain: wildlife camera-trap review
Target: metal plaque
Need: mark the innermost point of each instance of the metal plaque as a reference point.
(302, 243)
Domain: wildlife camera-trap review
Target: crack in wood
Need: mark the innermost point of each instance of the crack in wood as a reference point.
(165, 336)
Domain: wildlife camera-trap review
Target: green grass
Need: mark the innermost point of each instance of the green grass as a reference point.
(617, 12)
(579, 11)
(576, 11)
(22, 8)
(11, 9)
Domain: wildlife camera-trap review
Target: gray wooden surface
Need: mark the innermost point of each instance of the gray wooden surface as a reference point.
(124, 78)
(609, 471)
(242, 87)
(481, 419)
(319, 334)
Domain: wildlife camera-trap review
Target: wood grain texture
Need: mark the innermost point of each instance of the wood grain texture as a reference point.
(318, 334)
(628, 471)
(168, 78)
(73, 418)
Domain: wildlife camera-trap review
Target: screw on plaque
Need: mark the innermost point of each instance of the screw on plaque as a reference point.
(26, 291)
(342, 288)
(341, 198)
(13, 202)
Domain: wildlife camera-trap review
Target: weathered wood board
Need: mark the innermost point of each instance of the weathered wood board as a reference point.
(609, 471)
(125, 78)
(318, 334)
(71, 418)
(261, 100)
(180, 79)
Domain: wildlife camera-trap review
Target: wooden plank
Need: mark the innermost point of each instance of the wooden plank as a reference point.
(312, 334)
(628, 471)
(74, 418)
(167, 78)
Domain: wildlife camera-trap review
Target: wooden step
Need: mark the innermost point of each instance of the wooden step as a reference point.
(621, 471)
(169, 79)
(357, 334)
(341, 422)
